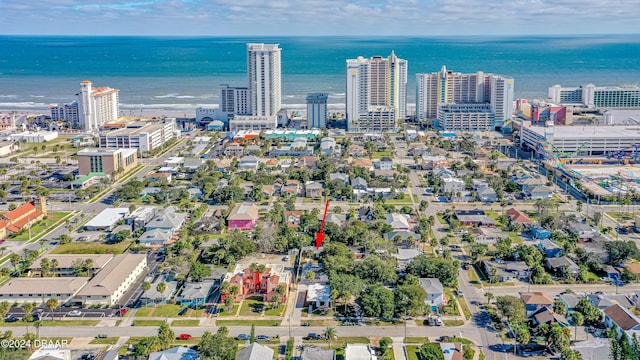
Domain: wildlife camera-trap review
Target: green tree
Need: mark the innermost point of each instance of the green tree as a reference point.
(410, 298)
(620, 251)
(431, 351)
(161, 288)
(511, 308)
(558, 338)
(252, 338)
(477, 251)
(489, 296)
(218, 346)
(310, 276)
(559, 307)
(569, 354)
(444, 270)
(329, 334)
(199, 271)
(51, 305)
(146, 286)
(166, 336)
(377, 301)
(578, 320)
(375, 270)
(5, 306)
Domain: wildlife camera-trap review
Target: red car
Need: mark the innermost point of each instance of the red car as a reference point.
(185, 337)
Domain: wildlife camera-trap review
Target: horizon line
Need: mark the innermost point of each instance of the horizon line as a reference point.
(327, 35)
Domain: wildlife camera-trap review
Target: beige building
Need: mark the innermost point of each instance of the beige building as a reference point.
(113, 162)
(65, 263)
(113, 281)
(22, 290)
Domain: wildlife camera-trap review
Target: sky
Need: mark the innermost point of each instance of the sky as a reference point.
(318, 17)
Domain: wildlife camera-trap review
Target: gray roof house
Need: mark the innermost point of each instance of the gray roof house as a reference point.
(602, 300)
(167, 219)
(560, 263)
(154, 296)
(435, 292)
(541, 192)
(176, 353)
(570, 300)
(192, 164)
(359, 183)
(487, 194)
(155, 237)
(313, 189)
(317, 353)
(195, 293)
(248, 163)
(339, 176)
(255, 351)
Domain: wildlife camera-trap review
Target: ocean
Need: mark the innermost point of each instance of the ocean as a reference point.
(178, 74)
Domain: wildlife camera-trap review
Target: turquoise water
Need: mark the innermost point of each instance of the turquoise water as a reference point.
(177, 73)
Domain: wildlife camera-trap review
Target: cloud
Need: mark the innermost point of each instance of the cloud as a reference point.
(316, 17)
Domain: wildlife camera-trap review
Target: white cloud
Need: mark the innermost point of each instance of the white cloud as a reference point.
(316, 17)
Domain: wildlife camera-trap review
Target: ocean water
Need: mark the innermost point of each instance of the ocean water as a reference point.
(180, 73)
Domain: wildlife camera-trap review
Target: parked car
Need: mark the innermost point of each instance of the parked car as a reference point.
(101, 336)
(88, 357)
(74, 313)
(243, 337)
(183, 311)
(263, 338)
(185, 337)
(313, 336)
(439, 321)
(11, 319)
(460, 293)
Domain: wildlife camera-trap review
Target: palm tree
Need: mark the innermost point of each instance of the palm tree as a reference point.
(37, 325)
(54, 265)
(51, 305)
(329, 334)
(489, 296)
(161, 288)
(45, 267)
(28, 308)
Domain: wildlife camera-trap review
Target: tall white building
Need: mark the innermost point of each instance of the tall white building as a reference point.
(67, 113)
(373, 83)
(626, 96)
(234, 100)
(448, 87)
(264, 75)
(317, 110)
(96, 106)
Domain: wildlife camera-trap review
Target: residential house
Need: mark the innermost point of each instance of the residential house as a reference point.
(364, 163)
(534, 301)
(243, 217)
(159, 177)
(313, 189)
(311, 352)
(366, 213)
(584, 231)
(405, 256)
(356, 150)
(453, 185)
(399, 222)
(359, 184)
(222, 183)
(234, 150)
(318, 296)
(540, 233)
(528, 183)
(156, 238)
(622, 320)
(359, 352)
(384, 174)
(167, 219)
(547, 316)
(612, 273)
(292, 218)
(139, 218)
(404, 235)
(487, 195)
(267, 191)
(561, 264)
(435, 293)
(570, 301)
(540, 192)
(222, 165)
(192, 165)
(271, 164)
(474, 217)
(253, 282)
(549, 248)
(308, 162)
(195, 293)
(507, 271)
(451, 351)
(151, 190)
(434, 162)
(505, 163)
(174, 162)
(518, 216)
(603, 300)
(53, 352)
(385, 163)
(255, 351)
(248, 163)
(594, 348)
(338, 219)
(254, 150)
(195, 192)
(344, 178)
(328, 146)
(487, 235)
(418, 150)
(153, 296)
(291, 187)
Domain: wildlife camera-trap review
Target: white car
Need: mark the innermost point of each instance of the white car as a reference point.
(439, 321)
(74, 313)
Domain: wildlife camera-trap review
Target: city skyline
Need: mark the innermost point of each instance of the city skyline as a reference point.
(336, 17)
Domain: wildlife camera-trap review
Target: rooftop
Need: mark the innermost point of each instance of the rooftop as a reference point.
(585, 132)
(318, 292)
(113, 275)
(66, 261)
(107, 217)
(106, 151)
(56, 285)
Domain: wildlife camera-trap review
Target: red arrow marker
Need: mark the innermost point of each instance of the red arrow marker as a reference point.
(320, 234)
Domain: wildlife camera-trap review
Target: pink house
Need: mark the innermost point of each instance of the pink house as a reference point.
(243, 217)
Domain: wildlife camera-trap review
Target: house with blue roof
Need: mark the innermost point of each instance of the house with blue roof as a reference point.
(549, 248)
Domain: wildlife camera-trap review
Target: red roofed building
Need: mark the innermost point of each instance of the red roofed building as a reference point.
(24, 215)
(517, 216)
(256, 283)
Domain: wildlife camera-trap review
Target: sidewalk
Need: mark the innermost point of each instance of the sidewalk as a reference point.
(398, 348)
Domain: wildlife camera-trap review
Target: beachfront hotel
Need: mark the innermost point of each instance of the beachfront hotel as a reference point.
(376, 89)
(591, 96)
(317, 110)
(94, 107)
(446, 87)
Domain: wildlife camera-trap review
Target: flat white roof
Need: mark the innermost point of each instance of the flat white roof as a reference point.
(587, 132)
(108, 217)
(105, 151)
(318, 292)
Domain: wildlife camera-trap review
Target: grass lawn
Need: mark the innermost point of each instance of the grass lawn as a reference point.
(248, 322)
(42, 225)
(453, 322)
(381, 154)
(231, 311)
(91, 248)
(195, 313)
(473, 277)
(167, 310)
(412, 352)
(275, 312)
(461, 340)
(77, 322)
(307, 200)
(148, 322)
(452, 308)
(185, 323)
(144, 311)
(320, 322)
(416, 340)
(465, 308)
(621, 217)
(105, 341)
(252, 306)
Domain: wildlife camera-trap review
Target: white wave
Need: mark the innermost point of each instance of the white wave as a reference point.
(8, 96)
(36, 96)
(174, 96)
(338, 94)
(23, 105)
(134, 107)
